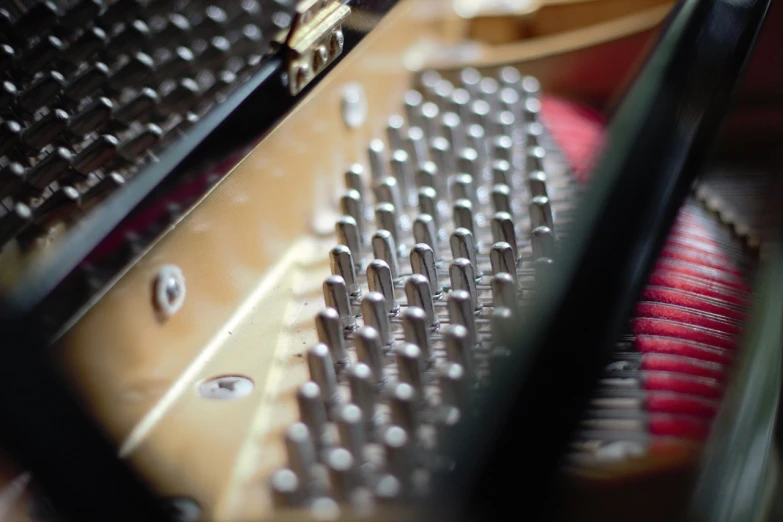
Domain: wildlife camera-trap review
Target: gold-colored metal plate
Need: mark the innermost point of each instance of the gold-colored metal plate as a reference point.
(253, 255)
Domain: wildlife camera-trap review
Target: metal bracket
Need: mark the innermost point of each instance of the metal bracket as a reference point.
(314, 41)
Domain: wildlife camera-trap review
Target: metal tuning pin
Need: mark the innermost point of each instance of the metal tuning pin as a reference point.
(503, 231)
(42, 91)
(412, 102)
(510, 76)
(342, 264)
(388, 191)
(354, 180)
(541, 213)
(454, 384)
(461, 312)
(329, 328)
(502, 260)
(350, 425)
(543, 242)
(336, 296)
(319, 362)
(441, 93)
(479, 112)
(502, 124)
(459, 348)
(348, 234)
(184, 94)
(375, 152)
(534, 159)
(376, 315)
(8, 93)
(460, 104)
(285, 488)
(50, 169)
(468, 163)
(427, 175)
(428, 205)
(43, 132)
(463, 216)
(138, 145)
(143, 103)
(312, 411)
(501, 173)
(501, 198)
(384, 247)
(17, 219)
(60, 206)
(504, 291)
(424, 232)
(440, 152)
(502, 327)
(300, 449)
(103, 188)
(397, 450)
(403, 173)
(418, 293)
(362, 383)
(386, 219)
(369, 351)
(451, 129)
(394, 130)
(470, 79)
(476, 139)
(12, 178)
(92, 118)
(388, 490)
(446, 427)
(410, 366)
(533, 133)
(134, 73)
(87, 83)
(423, 262)
(415, 327)
(488, 89)
(536, 184)
(531, 109)
(462, 278)
(463, 245)
(416, 146)
(95, 155)
(379, 280)
(135, 37)
(404, 407)
(503, 149)
(429, 118)
(509, 97)
(543, 267)
(352, 205)
(462, 187)
(89, 43)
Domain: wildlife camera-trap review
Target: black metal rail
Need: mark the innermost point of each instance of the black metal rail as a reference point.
(507, 459)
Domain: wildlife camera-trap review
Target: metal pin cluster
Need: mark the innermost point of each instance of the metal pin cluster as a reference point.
(443, 227)
(92, 90)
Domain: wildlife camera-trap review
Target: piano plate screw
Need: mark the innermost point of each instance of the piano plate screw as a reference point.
(169, 290)
(225, 387)
(183, 509)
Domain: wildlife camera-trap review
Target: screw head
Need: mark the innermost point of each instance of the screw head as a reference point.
(226, 387)
(169, 290)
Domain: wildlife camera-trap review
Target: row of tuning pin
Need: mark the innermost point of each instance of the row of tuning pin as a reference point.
(466, 169)
(83, 137)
